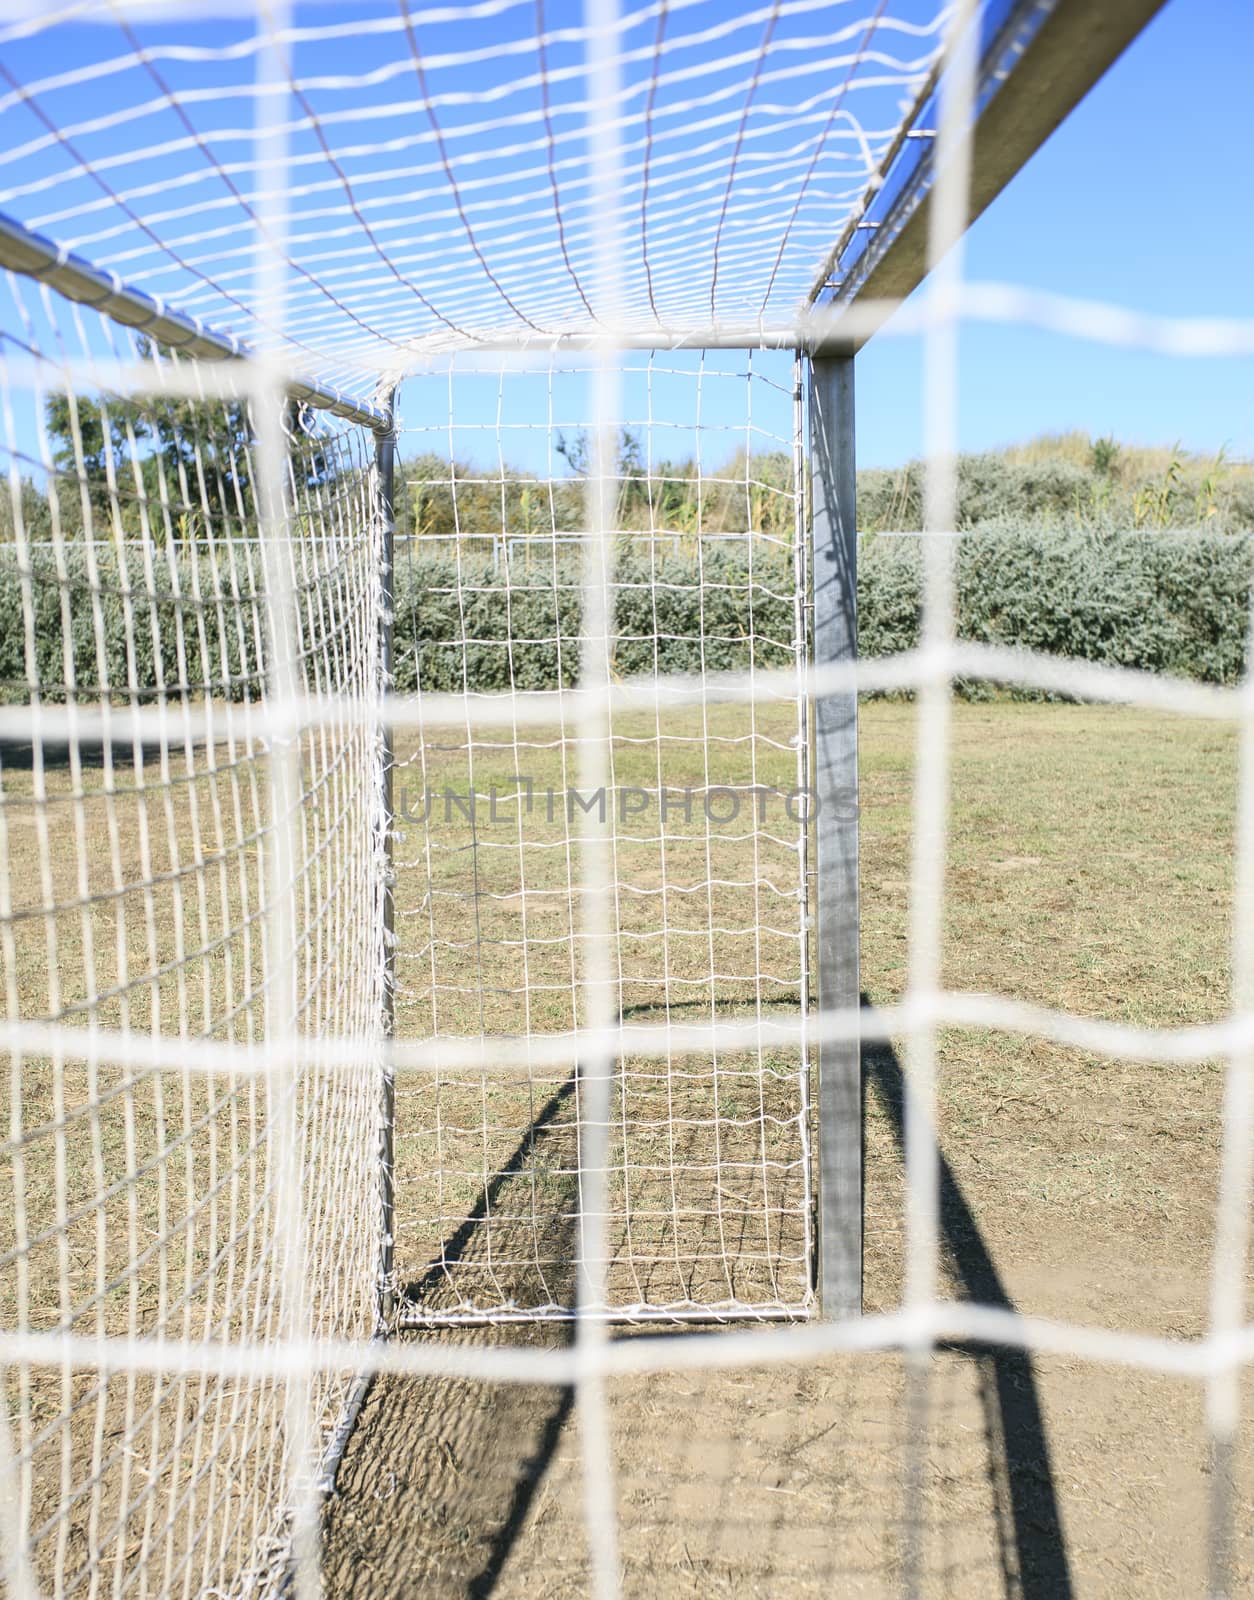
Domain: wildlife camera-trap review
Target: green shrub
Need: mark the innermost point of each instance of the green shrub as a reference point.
(128, 621)
(1172, 604)
(678, 615)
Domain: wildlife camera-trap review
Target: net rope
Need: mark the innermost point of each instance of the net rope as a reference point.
(705, 882)
(139, 894)
(716, 115)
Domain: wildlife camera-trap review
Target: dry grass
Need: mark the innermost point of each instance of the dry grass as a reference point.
(706, 1180)
(1090, 869)
(1134, 461)
(142, 1201)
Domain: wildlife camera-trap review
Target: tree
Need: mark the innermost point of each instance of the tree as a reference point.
(192, 458)
(630, 469)
(576, 451)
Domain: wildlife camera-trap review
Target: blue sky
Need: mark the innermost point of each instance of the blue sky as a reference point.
(1143, 197)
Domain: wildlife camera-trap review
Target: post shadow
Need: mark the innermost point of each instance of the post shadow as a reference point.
(1034, 1556)
(456, 1248)
(1034, 1549)
(505, 1512)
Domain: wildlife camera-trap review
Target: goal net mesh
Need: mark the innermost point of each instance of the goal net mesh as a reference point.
(707, 1207)
(139, 830)
(435, 163)
(395, 944)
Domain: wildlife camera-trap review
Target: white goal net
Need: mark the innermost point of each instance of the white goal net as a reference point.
(704, 809)
(204, 1180)
(427, 584)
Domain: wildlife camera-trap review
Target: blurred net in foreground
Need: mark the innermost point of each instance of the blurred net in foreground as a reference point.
(221, 1202)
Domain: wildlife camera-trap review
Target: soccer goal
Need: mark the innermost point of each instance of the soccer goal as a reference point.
(428, 716)
(703, 805)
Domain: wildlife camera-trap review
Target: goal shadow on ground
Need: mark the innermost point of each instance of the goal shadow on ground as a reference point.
(1032, 1541)
(444, 1473)
(463, 1243)
(440, 1474)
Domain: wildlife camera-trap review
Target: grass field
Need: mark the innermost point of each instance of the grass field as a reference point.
(707, 1179)
(1090, 869)
(144, 1201)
